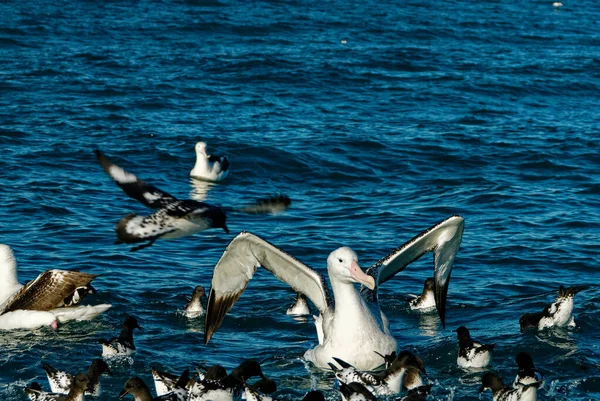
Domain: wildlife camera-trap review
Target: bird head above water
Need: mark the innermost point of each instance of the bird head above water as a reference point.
(343, 265)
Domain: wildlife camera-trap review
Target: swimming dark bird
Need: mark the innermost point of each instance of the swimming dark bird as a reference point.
(136, 387)
(353, 328)
(472, 354)
(387, 382)
(527, 373)
(356, 392)
(122, 345)
(217, 385)
(500, 392)
(557, 314)
(209, 167)
(425, 301)
(194, 306)
(174, 218)
(300, 306)
(61, 381)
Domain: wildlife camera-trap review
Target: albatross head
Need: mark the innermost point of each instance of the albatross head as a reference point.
(201, 148)
(343, 264)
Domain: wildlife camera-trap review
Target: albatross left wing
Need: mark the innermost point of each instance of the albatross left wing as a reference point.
(48, 290)
(443, 239)
(238, 264)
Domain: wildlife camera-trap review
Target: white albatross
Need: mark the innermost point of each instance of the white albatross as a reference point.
(41, 302)
(353, 328)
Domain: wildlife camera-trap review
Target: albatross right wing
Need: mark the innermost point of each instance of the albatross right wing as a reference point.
(238, 264)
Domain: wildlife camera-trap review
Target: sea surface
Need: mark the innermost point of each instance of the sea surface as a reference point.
(377, 118)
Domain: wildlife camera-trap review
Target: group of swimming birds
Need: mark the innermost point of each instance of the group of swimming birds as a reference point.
(353, 333)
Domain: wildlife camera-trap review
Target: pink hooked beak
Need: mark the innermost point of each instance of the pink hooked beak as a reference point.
(360, 276)
(54, 324)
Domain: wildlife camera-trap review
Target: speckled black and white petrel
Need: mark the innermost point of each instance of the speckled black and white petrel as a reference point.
(387, 382)
(356, 392)
(44, 301)
(500, 392)
(140, 391)
(209, 167)
(122, 345)
(557, 314)
(300, 306)
(419, 393)
(426, 301)
(217, 385)
(61, 381)
(527, 373)
(194, 306)
(472, 354)
(174, 218)
(79, 385)
(165, 382)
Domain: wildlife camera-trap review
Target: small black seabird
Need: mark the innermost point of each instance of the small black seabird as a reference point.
(491, 381)
(165, 382)
(472, 354)
(218, 385)
(140, 391)
(355, 391)
(387, 382)
(61, 381)
(122, 345)
(527, 373)
(194, 306)
(174, 218)
(300, 306)
(209, 167)
(79, 385)
(425, 301)
(557, 314)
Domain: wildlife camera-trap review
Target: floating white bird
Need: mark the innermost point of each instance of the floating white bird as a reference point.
(42, 302)
(174, 218)
(354, 328)
(557, 314)
(472, 354)
(209, 167)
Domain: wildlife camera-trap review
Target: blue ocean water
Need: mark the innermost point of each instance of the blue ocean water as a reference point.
(377, 118)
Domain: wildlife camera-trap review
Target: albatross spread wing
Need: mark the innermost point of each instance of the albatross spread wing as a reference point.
(443, 239)
(238, 264)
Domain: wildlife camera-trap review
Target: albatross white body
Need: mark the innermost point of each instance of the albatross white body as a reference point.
(353, 328)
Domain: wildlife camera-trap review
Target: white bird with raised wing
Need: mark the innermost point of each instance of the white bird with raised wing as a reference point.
(353, 328)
